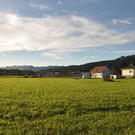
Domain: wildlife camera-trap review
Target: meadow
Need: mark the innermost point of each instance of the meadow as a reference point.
(67, 106)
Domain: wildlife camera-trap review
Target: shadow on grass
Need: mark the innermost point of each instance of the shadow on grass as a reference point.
(80, 111)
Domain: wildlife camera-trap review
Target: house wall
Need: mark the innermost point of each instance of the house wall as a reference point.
(128, 72)
(86, 73)
(106, 73)
(64, 74)
(96, 75)
(50, 74)
(113, 77)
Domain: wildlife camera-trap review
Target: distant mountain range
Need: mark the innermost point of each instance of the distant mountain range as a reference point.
(85, 67)
(25, 67)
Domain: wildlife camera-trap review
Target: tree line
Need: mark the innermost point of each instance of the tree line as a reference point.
(114, 65)
(16, 72)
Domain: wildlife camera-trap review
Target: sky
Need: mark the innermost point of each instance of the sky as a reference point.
(65, 32)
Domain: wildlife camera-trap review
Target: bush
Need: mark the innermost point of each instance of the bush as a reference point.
(34, 76)
(108, 80)
(77, 78)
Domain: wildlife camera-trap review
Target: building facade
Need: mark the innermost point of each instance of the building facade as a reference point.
(128, 72)
(85, 75)
(100, 72)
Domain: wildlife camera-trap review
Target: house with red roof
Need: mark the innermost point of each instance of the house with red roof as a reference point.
(100, 72)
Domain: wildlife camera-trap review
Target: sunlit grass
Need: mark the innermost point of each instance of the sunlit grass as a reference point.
(66, 106)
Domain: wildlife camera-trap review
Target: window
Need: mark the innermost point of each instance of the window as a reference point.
(130, 71)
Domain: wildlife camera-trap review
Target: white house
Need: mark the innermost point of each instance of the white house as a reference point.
(85, 75)
(128, 71)
(100, 72)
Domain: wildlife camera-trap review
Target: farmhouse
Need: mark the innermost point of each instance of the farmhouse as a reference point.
(128, 71)
(100, 72)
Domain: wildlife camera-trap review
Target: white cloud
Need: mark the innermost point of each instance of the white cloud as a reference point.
(53, 55)
(90, 0)
(59, 2)
(123, 22)
(56, 33)
(84, 1)
(86, 57)
(60, 53)
(92, 57)
(40, 6)
(127, 51)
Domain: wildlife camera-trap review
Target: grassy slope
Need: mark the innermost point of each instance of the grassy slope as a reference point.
(66, 106)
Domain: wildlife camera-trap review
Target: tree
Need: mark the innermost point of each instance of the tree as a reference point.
(117, 69)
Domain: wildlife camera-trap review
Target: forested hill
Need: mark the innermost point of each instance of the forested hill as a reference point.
(84, 68)
(87, 67)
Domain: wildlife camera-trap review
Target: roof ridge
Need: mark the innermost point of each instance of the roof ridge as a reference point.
(98, 69)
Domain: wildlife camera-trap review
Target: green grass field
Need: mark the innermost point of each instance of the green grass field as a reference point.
(56, 106)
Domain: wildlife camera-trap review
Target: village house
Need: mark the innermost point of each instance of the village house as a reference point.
(128, 71)
(85, 75)
(50, 73)
(100, 72)
(64, 74)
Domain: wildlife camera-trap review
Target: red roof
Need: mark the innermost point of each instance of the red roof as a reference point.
(98, 69)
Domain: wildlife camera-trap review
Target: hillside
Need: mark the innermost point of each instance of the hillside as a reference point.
(88, 66)
(85, 67)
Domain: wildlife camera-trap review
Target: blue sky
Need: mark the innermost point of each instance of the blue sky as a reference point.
(65, 32)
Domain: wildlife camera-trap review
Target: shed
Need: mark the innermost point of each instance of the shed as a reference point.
(113, 77)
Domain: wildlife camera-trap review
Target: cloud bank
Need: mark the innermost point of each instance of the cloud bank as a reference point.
(40, 6)
(60, 53)
(127, 51)
(123, 22)
(56, 33)
(84, 1)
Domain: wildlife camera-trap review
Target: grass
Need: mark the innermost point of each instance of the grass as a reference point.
(63, 106)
